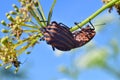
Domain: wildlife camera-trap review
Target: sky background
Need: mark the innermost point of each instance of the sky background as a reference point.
(42, 63)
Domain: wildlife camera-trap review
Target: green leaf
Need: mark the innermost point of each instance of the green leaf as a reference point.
(41, 12)
(50, 12)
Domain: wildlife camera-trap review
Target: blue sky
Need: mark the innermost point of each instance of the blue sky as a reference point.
(42, 63)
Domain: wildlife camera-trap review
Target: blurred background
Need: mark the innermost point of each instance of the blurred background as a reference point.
(99, 59)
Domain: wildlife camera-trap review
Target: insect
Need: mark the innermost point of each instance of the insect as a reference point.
(84, 35)
(59, 36)
(16, 63)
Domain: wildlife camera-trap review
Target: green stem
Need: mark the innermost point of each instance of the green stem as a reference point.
(112, 70)
(30, 26)
(111, 3)
(30, 31)
(42, 12)
(27, 39)
(36, 17)
(31, 44)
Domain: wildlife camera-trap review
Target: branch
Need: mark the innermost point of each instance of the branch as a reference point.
(108, 5)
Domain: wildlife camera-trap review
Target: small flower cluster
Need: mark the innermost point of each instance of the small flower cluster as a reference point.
(117, 5)
(8, 53)
(20, 23)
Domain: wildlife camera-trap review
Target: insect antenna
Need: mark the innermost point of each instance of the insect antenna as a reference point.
(89, 22)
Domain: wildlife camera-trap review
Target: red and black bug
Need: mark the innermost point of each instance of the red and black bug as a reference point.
(84, 35)
(59, 36)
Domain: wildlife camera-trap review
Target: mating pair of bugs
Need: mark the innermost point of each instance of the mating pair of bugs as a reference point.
(59, 36)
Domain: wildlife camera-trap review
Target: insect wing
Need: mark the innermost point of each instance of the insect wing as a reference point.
(84, 35)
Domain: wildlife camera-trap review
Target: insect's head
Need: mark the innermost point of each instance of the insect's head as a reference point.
(54, 23)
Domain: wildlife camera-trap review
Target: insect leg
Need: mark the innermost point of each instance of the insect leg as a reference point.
(53, 48)
(42, 38)
(77, 25)
(64, 25)
(43, 30)
(92, 25)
